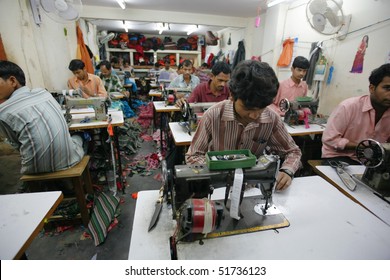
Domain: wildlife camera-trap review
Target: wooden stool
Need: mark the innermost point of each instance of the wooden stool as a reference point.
(80, 177)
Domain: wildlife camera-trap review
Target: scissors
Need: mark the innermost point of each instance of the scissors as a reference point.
(344, 176)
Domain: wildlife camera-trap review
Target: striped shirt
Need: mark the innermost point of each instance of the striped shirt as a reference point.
(33, 122)
(219, 130)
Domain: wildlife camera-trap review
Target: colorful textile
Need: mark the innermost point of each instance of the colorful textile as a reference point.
(102, 216)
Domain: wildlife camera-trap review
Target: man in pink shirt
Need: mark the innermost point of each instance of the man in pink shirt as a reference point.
(359, 118)
(293, 87)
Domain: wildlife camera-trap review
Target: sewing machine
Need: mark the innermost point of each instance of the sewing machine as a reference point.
(299, 111)
(190, 120)
(376, 157)
(99, 104)
(189, 190)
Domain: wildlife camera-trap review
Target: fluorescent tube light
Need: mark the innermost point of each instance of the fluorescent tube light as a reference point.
(121, 3)
(275, 2)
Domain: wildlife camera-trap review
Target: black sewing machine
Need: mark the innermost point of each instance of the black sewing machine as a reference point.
(376, 157)
(190, 120)
(300, 111)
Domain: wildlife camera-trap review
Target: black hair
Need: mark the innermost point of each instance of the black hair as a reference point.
(187, 62)
(378, 74)
(219, 67)
(204, 64)
(105, 63)
(301, 62)
(114, 60)
(76, 64)
(180, 66)
(157, 64)
(255, 83)
(8, 69)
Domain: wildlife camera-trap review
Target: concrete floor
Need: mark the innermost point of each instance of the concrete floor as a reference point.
(70, 244)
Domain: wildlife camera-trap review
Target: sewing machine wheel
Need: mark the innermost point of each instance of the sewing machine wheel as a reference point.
(184, 109)
(370, 153)
(284, 105)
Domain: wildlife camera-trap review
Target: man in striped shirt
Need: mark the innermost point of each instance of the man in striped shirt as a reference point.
(245, 122)
(33, 123)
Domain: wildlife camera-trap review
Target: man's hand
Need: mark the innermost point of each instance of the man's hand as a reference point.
(180, 102)
(283, 181)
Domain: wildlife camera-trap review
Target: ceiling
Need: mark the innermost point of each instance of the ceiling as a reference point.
(237, 8)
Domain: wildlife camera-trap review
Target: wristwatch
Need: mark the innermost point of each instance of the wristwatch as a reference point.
(288, 172)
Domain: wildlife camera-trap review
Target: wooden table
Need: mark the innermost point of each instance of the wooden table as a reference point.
(362, 195)
(22, 218)
(117, 120)
(324, 225)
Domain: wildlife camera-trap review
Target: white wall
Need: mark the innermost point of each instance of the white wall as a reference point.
(365, 16)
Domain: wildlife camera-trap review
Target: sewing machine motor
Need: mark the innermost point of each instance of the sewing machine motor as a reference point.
(297, 112)
(376, 157)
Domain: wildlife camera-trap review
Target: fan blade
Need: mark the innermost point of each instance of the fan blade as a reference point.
(319, 22)
(317, 6)
(332, 17)
(48, 5)
(69, 14)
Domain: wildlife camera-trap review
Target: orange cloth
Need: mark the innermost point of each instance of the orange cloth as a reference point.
(3, 56)
(286, 55)
(82, 52)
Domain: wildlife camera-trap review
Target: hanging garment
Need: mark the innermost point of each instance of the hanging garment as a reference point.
(82, 51)
(315, 52)
(240, 54)
(287, 52)
(3, 56)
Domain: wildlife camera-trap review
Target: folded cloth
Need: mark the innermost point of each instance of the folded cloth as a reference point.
(103, 215)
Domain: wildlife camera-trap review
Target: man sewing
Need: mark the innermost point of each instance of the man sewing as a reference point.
(88, 84)
(186, 80)
(214, 90)
(245, 122)
(359, 118)
(293, 87)
(111, 81)
(33, 123)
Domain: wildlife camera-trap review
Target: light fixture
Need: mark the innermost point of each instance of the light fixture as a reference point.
(274, 2)
(192, 29)
(122, 3)
(162, 26)
(125, 27)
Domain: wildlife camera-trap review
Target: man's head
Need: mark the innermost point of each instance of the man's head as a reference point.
(167, 64)
(157, 66)
(380, 86)
(77, 67)
(105, 68)
(204, 66)
(299, 68)
(11, 78)
(187, 68)
(255, 83)
(220, 75)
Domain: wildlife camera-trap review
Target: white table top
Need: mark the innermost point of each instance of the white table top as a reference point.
(22, 217)
(299, 130)
(117, 120)
(180, 137)
(85, 110)
(324, 224)
(362, 194)
(160, 107)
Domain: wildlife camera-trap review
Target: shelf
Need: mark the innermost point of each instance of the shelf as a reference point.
(159, 54)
